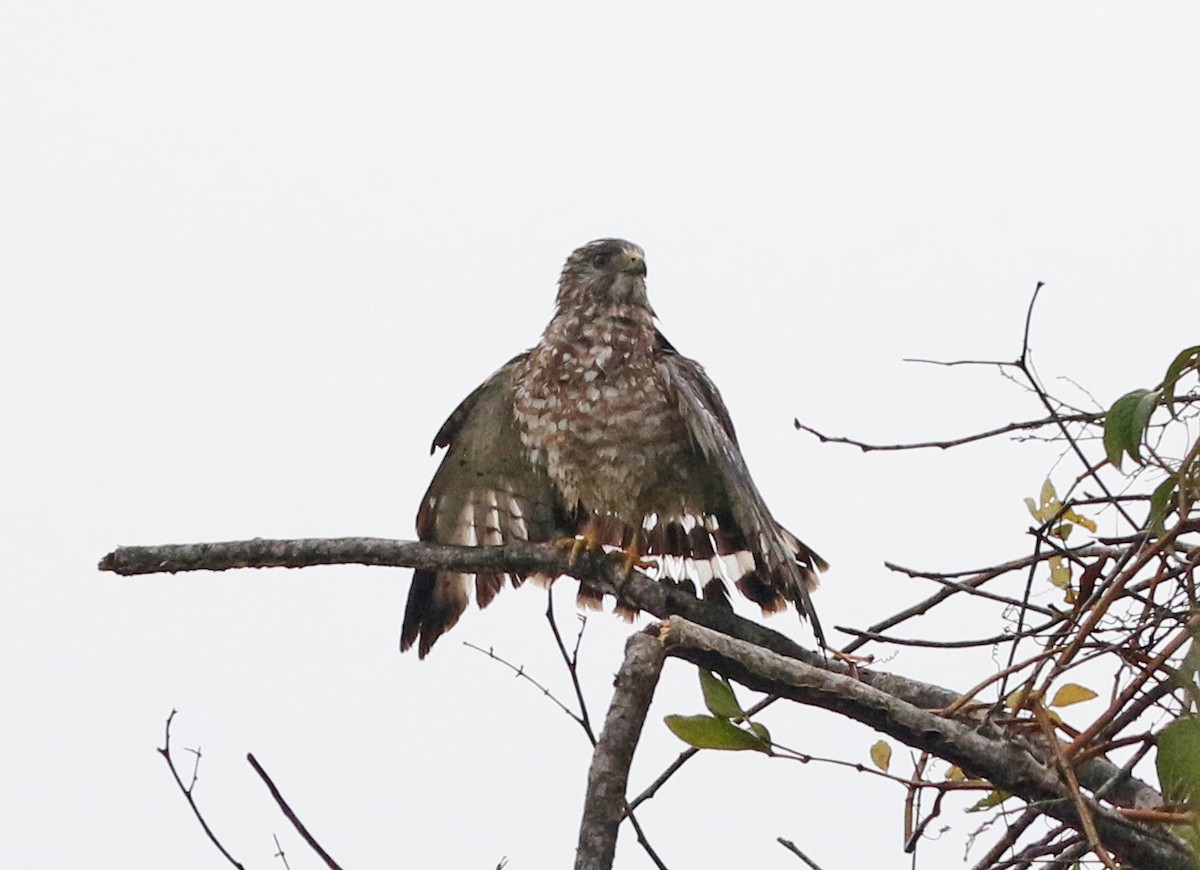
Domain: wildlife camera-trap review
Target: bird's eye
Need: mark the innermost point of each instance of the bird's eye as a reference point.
(601, 260)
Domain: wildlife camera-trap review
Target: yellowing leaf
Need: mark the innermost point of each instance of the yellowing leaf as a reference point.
(955, 774)
(1016, 699)
(1060, 572)
(1049, 495)
(1048, 505)
(881, 754)
(1079, 520)
(1071, 693)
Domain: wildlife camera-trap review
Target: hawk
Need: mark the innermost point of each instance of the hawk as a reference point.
(604, 434)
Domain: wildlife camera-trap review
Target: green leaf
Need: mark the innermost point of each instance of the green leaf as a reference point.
(1185, 675)
(991, 799)
(712, 732)
(1125, 424)
(761, 730)
(1141, 419)
(1187, 359)
(1179, 760)
(719, 697)
(1161, 503)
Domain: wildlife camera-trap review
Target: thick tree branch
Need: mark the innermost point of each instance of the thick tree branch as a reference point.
(604, 807)
(1003, 762)
(601, 571)
(306, 552)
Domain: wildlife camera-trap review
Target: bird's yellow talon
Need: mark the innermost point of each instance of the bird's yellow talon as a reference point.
(586, 540)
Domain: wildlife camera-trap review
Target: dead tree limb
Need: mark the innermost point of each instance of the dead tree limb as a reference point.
(603, 572)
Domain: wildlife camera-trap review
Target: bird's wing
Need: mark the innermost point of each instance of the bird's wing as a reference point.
(485, 492)
(737, 518)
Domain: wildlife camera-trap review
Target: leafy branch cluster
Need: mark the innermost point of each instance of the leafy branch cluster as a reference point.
(1128, 613)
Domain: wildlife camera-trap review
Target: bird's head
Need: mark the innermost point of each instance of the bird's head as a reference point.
(607, 272)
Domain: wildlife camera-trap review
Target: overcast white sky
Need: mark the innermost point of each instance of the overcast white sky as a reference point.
(253, 254)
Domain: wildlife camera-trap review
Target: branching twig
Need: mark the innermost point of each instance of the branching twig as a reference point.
(520, 673)
(952, 442)
(165, 752)
(571, 660)
(279, 853)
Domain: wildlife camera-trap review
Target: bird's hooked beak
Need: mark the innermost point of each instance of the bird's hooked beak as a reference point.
(633, 261)
(630, 283)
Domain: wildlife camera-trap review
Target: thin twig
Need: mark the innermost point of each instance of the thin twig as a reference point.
(1008, 841)
(165, 752)
(571, 660)
(951, 442)
(291, 816)
(791, 847)
(279, 853)
(520, 673)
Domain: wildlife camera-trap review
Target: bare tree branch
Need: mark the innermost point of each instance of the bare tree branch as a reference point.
(604, 807)
(306, 552)
(602, 571)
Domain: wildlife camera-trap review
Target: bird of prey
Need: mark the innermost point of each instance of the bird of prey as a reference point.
(605, 434)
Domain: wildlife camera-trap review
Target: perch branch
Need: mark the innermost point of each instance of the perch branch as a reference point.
(600, 570)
